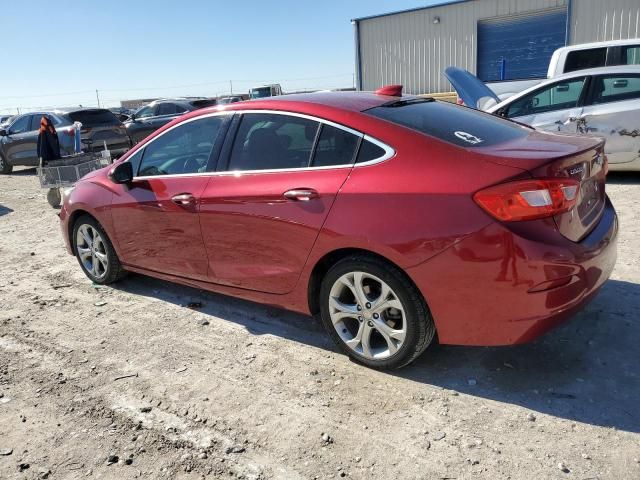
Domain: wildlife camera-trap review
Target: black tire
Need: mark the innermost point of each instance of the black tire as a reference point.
(420, 329)
(5, 168)
(113, 270)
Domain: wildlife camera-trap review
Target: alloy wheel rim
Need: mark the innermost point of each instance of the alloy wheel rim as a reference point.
(92, 251)
(367, 315)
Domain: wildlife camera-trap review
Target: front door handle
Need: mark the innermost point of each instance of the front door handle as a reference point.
(184, 199)
(300, 194)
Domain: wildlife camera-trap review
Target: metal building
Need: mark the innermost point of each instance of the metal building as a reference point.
(495, 39)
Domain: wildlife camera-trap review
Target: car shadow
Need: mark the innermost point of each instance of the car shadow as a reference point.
(583, 371)
(623, 178)
(4, 210)
(24, 172)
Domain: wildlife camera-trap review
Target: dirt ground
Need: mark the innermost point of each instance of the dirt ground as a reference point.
(239, 390)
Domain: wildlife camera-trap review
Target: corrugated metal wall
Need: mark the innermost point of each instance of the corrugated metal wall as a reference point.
(408, 48)
(600, 20)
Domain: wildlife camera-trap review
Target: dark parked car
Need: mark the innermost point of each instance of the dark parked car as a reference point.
(157, 114)
(19, 139)
(393, 217)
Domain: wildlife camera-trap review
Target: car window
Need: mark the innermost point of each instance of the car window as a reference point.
(369, 151)
(631, 55)
(180, 108)
(145, 112)
(270, 141)
(135, 159)
(557, 96)
(21, 125)
(167, 109)
(335, 147)
(461, 126)
(589, 58)
(615, 88)
(35, 121)
(183, 149)
(94, 117)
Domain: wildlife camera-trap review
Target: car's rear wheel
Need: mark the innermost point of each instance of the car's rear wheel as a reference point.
(94, 252)
(374, 313)
(5, 168)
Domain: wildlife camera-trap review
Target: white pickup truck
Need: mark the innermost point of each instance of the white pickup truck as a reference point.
(576, 57)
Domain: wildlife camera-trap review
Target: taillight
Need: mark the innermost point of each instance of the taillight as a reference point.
(529, 199)
(70, 132)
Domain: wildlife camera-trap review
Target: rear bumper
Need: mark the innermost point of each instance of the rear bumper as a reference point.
(498, 288)
(64, 227)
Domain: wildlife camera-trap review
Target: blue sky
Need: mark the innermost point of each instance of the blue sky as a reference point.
(134, 49)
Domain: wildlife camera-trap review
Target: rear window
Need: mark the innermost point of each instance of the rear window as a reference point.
(462, 126)
(94, 117)
(582, 59)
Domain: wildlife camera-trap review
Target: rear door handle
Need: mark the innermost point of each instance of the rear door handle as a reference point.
(301, 194)
(184, 199)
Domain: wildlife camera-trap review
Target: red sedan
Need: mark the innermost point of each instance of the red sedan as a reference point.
(393, 217)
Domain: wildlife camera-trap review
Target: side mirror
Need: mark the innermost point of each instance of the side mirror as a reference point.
(122, 173)
(3, 132)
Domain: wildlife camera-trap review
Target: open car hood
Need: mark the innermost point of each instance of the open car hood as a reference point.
(470, 89)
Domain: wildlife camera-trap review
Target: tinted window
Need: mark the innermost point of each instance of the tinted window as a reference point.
(616, 88)
(145, 112)
(167, 109)
(180, 108)
(135, 160)
(631, 55)
(558, 96)
(184, 149)
(461, 126)
(94, 117)
(369, 151)
(335, 147)
(271, 141)
(21, 125)
(581, 59)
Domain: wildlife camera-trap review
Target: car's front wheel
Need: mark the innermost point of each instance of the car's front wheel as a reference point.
(5, 167)
(94, 252)
(374, 313)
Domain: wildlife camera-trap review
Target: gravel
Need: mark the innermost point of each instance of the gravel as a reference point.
(258, 367)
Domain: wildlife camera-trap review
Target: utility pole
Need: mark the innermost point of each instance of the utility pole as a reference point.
(98, 97)
(231, 85)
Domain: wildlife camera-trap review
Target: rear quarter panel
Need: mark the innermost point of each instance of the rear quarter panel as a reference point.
(414, 205)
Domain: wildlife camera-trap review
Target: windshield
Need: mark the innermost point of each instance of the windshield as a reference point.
(260, 92)
(462, 126)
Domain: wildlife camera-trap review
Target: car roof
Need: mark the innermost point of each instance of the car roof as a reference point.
(351, 101)
(617, 69)
(608, 43)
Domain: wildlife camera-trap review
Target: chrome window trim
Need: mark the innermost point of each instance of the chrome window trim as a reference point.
(389, 151)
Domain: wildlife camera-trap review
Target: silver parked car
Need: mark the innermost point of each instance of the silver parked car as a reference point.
(603, 102)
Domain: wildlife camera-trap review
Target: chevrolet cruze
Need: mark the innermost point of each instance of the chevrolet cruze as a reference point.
(395, 218)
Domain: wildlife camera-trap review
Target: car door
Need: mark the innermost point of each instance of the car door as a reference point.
(155, 217)
(21, 141)
(612, 111)
(555, 107)
(262, 213)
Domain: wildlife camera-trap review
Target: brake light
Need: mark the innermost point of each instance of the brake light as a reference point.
(70, 132)
(529, 199)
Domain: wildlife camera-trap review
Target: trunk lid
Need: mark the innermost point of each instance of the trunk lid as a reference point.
(470, 89)
(546, 155)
